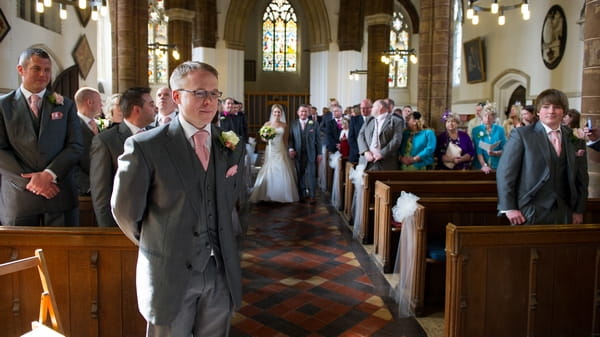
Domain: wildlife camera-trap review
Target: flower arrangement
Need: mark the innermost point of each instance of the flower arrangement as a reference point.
(229, 139)
(267, 132)
(56, 99)
(102, 123)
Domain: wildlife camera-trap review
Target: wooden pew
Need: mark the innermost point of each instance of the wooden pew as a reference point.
(522, 281)
(93, 276)
(87, 217)
(370, 177)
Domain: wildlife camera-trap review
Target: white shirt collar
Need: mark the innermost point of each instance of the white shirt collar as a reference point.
(189, 130)
(548, 129)
(85, 118)
(28, 93)
(134, 129)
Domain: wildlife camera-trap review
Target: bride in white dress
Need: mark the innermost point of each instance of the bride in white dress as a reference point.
(276, 180)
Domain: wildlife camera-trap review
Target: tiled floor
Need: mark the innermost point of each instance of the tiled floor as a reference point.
(305, 276)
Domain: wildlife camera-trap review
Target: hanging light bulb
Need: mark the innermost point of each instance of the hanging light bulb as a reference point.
(524, 7)
(176, 54)
(495, 7)
(104, 8)
(413, 58)
(469, 10)
(39, 6)
(475, 19)
(82, 4)
(62, 12)
(501, 18)
(526, 15)
(94, 13)
(48, 3)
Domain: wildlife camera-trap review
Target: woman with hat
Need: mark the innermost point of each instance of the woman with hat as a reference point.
(455, 149)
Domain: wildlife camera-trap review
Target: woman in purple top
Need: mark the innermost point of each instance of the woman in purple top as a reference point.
(454, 149)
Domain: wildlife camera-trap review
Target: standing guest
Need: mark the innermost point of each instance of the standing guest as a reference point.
(490, 133)
(234, 120)
(356, 123)
(305, 149)
(276, 180)
(333, 128)
(114, 113)
(40, 145)
(528, 115)
(513, 120)
(379, 139)
(476, 120)
(314, 115)
(418, 145)
(138, 111)
(540, 179)
(167, 109)
(177, 207)
(454, 149)
(572, 118)
(89, 106)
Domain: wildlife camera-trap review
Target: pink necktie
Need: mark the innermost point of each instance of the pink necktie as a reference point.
(555, 137)
(165, 120)
(200, 147)
(93, 126)
(303, 123)
(33, 104)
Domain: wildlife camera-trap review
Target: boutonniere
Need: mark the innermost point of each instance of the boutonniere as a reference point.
(229, 139)
(222, 117)
(481, 134)
(56, 99)
(102, 123)
(310, 122)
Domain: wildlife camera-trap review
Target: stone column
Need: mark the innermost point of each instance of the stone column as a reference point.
(378, 28)
(180, 30)
(590, 87)
(129, 19)
(435, 57)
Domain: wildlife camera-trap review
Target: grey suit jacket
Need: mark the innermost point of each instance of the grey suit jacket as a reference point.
(390, 139)
(106, 147)
(525, 167)
(157, 209)
(313, 139)
(83, 168)
(57, 146)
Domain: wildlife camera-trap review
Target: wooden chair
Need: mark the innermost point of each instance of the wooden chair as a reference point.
(47, 302)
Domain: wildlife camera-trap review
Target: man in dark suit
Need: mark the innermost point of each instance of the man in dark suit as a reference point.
(333, 128)
(173, 197)
(234, 120)
(167, 109)
(379, 139)
(540, 178)
(138, 111)
(305, 149)
(89, 106)
(40, 145)
(356, 122)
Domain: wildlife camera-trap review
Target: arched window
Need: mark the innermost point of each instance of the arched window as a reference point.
(457, 48)
(158, 61)
(280, 37)
(399, 39)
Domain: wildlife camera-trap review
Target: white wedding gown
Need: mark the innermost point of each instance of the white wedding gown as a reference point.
(276, 180)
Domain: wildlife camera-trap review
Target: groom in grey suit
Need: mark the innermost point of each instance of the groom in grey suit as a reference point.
(539, 183)
(175, 190)
(305, 149)
(40, 145)
(379, 139)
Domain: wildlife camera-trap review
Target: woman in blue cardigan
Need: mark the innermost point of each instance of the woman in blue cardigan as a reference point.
(418, 145)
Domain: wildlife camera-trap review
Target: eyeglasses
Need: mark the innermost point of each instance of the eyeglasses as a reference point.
(204, 94)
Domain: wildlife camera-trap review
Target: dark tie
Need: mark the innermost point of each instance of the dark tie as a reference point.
(200, 147)
(33, 104)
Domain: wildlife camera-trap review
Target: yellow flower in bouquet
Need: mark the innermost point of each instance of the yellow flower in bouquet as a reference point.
(267, 132)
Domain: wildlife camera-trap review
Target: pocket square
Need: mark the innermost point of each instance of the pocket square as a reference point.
(57, 115)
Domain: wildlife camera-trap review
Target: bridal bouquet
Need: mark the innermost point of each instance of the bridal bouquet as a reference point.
(267, 132)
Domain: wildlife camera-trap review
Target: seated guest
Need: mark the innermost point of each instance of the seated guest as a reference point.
(492, 136)
(418, 145)
(454, 149)
(528, 115)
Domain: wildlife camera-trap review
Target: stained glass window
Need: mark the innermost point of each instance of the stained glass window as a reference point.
(399, 38)
(158, 60)
(280, 37)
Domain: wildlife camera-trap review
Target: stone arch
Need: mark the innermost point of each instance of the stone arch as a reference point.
(316, 22)
(505, 84)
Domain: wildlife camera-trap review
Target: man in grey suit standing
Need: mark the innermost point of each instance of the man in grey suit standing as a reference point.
(138, 111)
(174, 195)
(40, 145)
(379, 139)
(305, 149)
(540, 178)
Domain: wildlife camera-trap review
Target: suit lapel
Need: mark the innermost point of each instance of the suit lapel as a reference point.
(23, 114)
(542, 143)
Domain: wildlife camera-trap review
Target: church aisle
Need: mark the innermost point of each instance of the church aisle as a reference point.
(303, 275)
